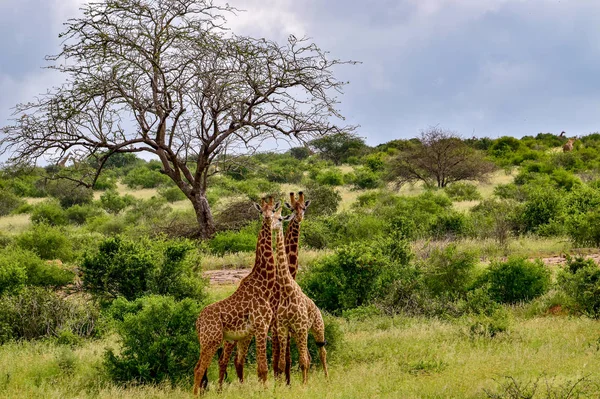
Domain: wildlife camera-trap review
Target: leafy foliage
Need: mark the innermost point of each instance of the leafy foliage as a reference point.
(516, 280)
(158, 340)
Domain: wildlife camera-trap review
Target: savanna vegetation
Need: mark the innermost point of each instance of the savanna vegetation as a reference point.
(444, 266)
(427, 291)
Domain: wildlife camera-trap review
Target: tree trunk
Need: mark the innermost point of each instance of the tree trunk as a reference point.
(204, 216)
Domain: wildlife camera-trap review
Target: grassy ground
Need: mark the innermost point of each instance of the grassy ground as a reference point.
(380, 358)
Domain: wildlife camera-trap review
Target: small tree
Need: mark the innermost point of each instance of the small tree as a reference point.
(195, 94)
(338, 147)
(442, 157)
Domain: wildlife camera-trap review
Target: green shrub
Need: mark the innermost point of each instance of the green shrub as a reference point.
(450, 225)
(580, 280)
(462, 192)
(243, 240)
(541, 208)
(151, 212)
(69, 193)
(299, 153)
(323, 200)
(315, 234)
(79, 214)
(348, 279)
(119, 268)
(47, 242)
(49, 212)
(131, 269)
(9, 202)
(490, 326)
(106, 181)
(37, 271)
(38, 312)
(516, 280)
(13, 276)
(449, 271)
(497, 219)
(114, 203)
(584, 229)
(158, 340)
(171, 194)
(145, 177)
(375, 162)
(364, 178)
(330, 177)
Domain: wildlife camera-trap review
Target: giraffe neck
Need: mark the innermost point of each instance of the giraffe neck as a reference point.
(291, 245)
(283, 271)
(264, 263)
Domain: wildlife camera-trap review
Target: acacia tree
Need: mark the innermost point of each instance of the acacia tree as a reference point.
(441, 157)
(339, 147)
(165, 77)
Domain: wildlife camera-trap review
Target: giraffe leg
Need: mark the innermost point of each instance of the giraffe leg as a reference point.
(318, 331)
(261, 351)
(240, 357)
(301, 337)
(288, 361)
(276, 348)
(224, 360)
(283, 333)
(206, 354)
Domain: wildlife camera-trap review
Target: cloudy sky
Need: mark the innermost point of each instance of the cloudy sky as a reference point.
(479, 67)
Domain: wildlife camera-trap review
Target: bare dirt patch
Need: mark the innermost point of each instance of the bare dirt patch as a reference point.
(228, 276)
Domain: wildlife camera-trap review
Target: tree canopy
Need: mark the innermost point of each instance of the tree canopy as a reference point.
(165, 77)
(440, 158)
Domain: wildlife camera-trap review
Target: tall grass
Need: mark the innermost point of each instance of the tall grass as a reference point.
(381, 358)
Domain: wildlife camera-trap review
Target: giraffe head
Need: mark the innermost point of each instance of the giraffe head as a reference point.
(267, 208)
(277, 223)
(297, 207)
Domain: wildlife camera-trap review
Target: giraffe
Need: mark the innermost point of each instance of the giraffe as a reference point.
(246, 313)
(292, 236)
(568, 145)
(296, 312)
(291, 246)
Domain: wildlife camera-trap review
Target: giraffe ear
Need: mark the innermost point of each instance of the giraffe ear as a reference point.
(258, 207)
(277, 205)
(306, 204)
(288, 217)
(288, 206)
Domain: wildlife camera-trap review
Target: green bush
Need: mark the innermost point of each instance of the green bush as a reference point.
(449, 272)
(145, 176)
(299, 153)
(171, 194)
(49, 212)
(375, 162)
(330, 177)
(227, 241)
(541, 208)
(131, 269)
(323, 200)
(462, 192)
(580, 280)
(12, 276)
(158, 340)
(450, 225)
(9, 202)
(47, 242)
(490, 326)
(497, 219)
(348, 279)
(584, 229)
(114, 203)
(79, 214)
(37, 271)
(516, 280)
(38, 312)
(315, 234)
(364, 178)
(69, 193)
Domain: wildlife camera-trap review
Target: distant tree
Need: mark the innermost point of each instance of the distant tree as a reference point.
(300, 153)
(192, 90)
(339, 147)
(441, 158)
